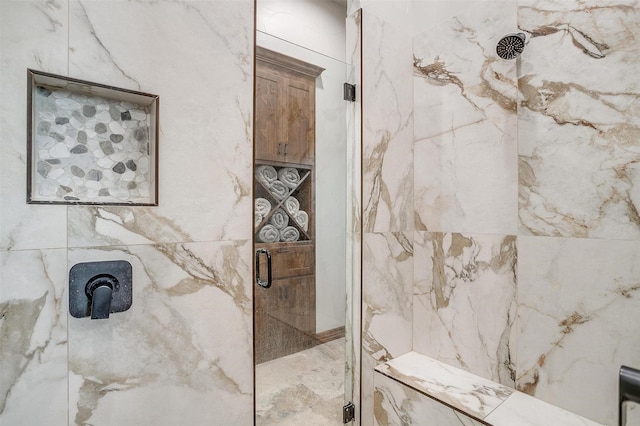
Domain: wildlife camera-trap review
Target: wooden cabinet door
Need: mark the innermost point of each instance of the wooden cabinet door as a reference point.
(269, 110)
(300, 119)
(285, 318)
(285, 109)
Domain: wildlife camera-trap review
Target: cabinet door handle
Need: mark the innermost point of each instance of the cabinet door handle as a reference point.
(286, 148)
(259, 281)
(279, 148)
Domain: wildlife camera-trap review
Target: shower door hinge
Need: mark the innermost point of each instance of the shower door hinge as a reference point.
(349, 92)
(348, 413)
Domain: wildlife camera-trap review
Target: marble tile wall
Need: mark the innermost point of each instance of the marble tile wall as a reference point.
(578, 304)
(387, 196)
(464, 301)
(578, 120)
(465, 123)
(578, 114)
(415, 386)
(529, 167)
(535, 324)
(387, 126)
(160, 361)
(397, 404)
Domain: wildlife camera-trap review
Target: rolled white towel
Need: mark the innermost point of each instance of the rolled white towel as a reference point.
(279, 219)
(292, 205)
(258, 220)
(279, 190)
(268, 234)
(266, 174)
(289, 233)
(303, 219)
(289, 176)
(262, 206)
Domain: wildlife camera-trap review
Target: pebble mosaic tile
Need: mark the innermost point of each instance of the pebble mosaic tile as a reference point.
(91, 146)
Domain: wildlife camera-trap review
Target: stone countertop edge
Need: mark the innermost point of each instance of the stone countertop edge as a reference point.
(418, 371)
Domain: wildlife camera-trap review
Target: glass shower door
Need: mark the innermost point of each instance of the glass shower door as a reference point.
(300, 236)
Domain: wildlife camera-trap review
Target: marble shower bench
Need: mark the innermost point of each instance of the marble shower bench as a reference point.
(415, 389)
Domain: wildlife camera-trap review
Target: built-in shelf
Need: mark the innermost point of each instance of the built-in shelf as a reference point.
(89, 143)
(480, 400)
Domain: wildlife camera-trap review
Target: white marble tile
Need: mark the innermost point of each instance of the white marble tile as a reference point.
(33, 337)
(205, 109)
(578, 120)
(387, 126)
(34, 35)
(397, 404)
(387, 299)
(465, 123)
(423, 388)
(307, 387)
(167, 360)
(523, 410)
(578, 303)
(464, 301)
(168, 365)
(431, 13)
(395, 12)
(464, 391)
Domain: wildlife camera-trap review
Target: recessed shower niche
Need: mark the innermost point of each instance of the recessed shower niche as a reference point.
(90, 143)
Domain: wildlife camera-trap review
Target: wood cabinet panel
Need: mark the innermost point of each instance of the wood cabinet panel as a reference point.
(289, 259)
(284, 129)
(300, 130)
(285, 108)
(267, 120)
(285, 318)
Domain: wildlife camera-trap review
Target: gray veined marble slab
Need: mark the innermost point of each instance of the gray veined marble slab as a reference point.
(578, 304)
(464, 391)
(387, 148)
(423, 388)
(465, 121)
(34, 35)
(465, 300)
(139, 365)
(205, 150)
(33, 337)
(523, 410)
(387, 300)
(578, 120)
(395, 404)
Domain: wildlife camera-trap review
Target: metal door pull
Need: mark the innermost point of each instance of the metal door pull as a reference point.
(259, 281)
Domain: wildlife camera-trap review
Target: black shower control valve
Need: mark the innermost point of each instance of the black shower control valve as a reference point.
(101, 280)
(98, 289)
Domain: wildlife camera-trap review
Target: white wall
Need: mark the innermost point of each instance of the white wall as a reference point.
(315, 24)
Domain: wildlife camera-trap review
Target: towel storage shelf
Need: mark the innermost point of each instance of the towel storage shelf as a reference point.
(285, 313)
(280, 206)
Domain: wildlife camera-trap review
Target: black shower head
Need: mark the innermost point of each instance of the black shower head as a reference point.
(511, 46)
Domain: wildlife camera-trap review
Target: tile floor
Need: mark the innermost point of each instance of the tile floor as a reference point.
(305, 388)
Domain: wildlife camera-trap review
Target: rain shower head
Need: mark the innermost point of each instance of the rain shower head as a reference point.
(511, 46)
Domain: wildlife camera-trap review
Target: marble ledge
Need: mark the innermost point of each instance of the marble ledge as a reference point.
(487, 401)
